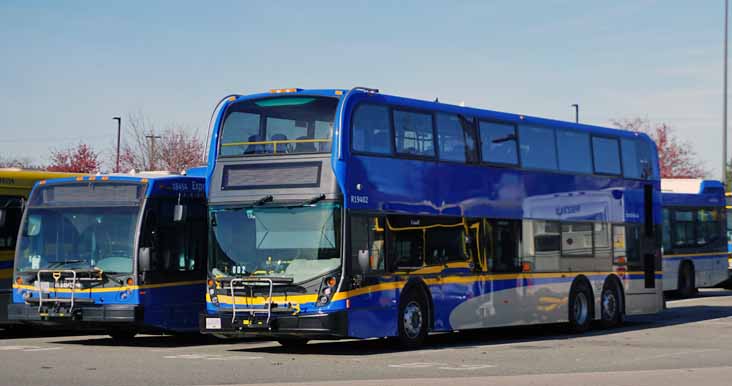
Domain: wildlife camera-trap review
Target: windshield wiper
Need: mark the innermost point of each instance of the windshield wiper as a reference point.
(310, 201)
(263, 200)
(54, 264)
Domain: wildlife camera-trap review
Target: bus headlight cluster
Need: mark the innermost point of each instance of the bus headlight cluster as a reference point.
(212, 292)
(327, 288)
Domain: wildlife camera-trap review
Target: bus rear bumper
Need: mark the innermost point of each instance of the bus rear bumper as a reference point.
(105, 314)
(333, 325)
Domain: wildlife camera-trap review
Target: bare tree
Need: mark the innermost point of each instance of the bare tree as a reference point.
(676, 158)
(16, 162)
(146, 147)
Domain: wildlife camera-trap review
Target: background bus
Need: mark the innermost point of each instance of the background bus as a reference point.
(694, 237)
(728, 209)
(341, 214)
(119, 253)
(15, 185)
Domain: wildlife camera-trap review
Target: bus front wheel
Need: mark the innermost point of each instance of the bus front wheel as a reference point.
(413, 318)
(580, 307)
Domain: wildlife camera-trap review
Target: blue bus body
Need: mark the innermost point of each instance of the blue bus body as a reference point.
(105, 252)
(395, 193)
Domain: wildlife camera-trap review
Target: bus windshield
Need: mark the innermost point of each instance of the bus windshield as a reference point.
(78, 238)
(279, 125)
(301, 243)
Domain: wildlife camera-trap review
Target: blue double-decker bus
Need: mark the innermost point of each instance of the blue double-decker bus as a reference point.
(354, 214)
(125, 254)
(694, 235)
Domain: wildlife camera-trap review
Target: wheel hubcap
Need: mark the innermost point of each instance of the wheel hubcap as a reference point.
(581, 309)
(412, 318)
(609, 304)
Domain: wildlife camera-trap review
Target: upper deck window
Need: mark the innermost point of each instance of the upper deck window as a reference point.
(607, 155)
(538, 147)
(574, 151)
(413, 133)
(631, 163)
(498, 143)
(455, 138)
(371, 129)
(280, 125)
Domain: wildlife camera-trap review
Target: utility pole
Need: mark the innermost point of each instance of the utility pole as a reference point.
(724, 99)
(119, 129)
(576, 112)
(152, 137)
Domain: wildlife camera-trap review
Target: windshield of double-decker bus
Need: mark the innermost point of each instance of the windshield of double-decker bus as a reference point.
(297, 242)
(100, 238)
(279, 125)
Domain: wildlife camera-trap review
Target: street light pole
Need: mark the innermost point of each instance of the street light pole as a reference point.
(119, 129)
(576, 112)
(724, 102)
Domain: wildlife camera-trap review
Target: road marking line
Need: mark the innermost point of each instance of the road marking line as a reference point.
(467, 367)
(9, 348)
(417, 365)
(42, 349)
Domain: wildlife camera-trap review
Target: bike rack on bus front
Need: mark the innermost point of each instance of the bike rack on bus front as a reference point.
(56, 274)
(252, 311)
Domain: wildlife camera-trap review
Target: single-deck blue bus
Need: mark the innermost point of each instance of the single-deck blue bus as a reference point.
(694, 237)
(355, 214)
(121, 253)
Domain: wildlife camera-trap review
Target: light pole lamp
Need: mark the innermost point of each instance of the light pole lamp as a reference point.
(119, 129)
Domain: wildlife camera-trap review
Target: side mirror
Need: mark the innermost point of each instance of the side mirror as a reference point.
(363, 260)
(179, 213)
(144, 259)
(3, 216)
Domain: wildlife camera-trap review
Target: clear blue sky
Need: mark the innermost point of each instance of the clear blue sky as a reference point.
(67, 67)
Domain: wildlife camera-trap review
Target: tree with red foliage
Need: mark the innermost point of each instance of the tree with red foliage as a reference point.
(76, 159)
(676, 158)
(174, 148)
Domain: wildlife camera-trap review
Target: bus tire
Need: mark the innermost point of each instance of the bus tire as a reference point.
(611, 305)
(292, 342)
(687, 280)
(580, 307)
(122, 335)
(413, 318)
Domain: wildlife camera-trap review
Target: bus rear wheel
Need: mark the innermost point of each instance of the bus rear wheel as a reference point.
(611, 303)
(580, 307)
(413, 318)
(687, 281)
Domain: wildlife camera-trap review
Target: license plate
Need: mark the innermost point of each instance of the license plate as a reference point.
(213, 323)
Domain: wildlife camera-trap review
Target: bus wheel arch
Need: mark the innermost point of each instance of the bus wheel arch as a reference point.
(415, 304)
(581, 305)
(612, 302)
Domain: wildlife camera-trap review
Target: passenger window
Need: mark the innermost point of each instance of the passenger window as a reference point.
(577, 240)
(239, 128)
(367, 244)
(503, 245)
(455, 138)
(709, 227)
(405, 249)
(371, 130)
(607, 155)
(574, 151)
(547, 245)
(446, 244)
(601, 240)
(646, 156)
(413, 133)
(538, 147)
(683, 232)
(498, 143)
(631, 163)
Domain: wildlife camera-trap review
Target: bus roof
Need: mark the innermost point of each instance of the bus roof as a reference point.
(692, 192)
(158, 184)
(16, 181)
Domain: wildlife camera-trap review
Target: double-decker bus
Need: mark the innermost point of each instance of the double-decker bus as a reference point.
(15, 185)
(694, 237)
(124, 254)
(354, 214)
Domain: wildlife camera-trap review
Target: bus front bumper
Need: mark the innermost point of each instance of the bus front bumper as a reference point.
(104, 314)
(333, 325)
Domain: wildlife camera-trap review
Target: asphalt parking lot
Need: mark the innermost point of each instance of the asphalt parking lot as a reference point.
(690, 342)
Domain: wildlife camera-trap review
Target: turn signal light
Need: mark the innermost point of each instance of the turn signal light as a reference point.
(331, 281)
(210, 282)
(19, 280)
(130, 281)
(281, 90)
(525, 266)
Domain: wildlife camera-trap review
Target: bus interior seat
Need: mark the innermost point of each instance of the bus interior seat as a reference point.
(304, 147)
(254, 148)
(280, 147)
